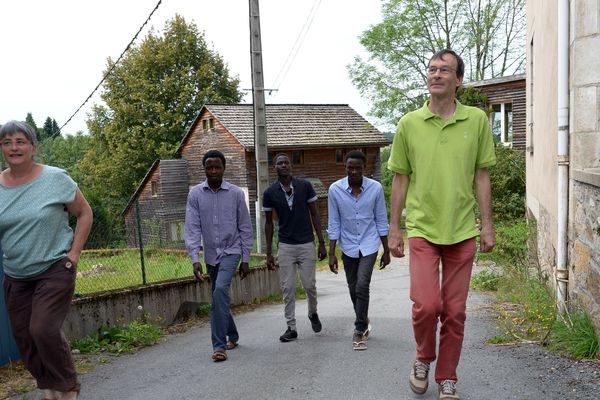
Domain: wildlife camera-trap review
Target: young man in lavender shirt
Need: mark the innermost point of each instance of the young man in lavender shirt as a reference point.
(217, 216)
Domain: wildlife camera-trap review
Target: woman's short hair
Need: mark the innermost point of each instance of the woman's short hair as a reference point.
(213, 154)
(13, 127)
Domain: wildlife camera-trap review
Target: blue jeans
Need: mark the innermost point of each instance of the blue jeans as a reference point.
(222, 326)
(358, 275)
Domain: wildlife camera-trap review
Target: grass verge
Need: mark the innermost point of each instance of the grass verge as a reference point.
(525, 309)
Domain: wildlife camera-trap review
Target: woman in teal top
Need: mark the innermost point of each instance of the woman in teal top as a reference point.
(40, 258)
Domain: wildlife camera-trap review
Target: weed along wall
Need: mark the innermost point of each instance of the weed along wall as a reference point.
(161, 301)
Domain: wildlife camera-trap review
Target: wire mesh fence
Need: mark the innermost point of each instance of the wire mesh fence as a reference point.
(140, 247)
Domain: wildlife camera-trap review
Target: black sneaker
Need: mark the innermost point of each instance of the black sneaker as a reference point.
(314, 321)
(289, 335)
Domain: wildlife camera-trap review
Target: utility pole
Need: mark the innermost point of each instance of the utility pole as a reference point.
(260, 120)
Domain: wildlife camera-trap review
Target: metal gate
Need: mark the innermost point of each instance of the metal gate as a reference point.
(8, 348)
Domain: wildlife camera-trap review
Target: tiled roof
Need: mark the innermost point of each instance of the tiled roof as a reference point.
(496, 81)
(298, 125)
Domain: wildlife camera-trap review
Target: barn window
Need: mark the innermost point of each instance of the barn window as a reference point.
(153, 189)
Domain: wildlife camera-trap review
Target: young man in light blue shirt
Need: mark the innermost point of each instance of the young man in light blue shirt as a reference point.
(358, 221)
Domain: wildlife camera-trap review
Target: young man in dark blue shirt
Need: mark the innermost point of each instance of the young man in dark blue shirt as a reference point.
(294, 201)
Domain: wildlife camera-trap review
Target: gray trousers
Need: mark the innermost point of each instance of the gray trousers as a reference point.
(301, 258)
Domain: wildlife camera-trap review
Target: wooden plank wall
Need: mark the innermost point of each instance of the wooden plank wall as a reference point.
(511, 92)
(150, 206)
(175, 177)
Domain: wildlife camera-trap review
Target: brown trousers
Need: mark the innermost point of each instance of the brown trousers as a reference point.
(37, 308)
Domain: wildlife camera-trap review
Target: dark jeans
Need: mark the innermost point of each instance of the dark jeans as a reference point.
(222, 325)
(37, 308)
(358, 275)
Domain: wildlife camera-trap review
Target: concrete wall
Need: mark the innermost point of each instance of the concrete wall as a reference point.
(541, 148)
(162, 301)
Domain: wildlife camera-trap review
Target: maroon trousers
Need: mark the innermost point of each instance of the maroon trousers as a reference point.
(37, 308)
(445, 301)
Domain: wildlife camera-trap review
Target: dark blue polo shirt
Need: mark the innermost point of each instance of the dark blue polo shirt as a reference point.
(295, 226)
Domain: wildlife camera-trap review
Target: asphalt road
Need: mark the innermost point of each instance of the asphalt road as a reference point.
(324, 366)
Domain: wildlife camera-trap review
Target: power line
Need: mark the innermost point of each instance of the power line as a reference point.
(287, 64)
(112, 66)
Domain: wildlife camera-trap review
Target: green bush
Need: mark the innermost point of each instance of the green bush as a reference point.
(120, 339)
(508, 184)
(510, 251)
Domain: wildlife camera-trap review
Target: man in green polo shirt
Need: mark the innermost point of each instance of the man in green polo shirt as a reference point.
(440, 153)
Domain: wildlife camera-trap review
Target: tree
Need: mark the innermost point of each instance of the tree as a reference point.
(489, 35)
(50, 129)
(151, 97)
(65, 152)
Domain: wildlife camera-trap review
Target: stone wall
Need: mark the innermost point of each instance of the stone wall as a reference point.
(584, 250)
(584, 130)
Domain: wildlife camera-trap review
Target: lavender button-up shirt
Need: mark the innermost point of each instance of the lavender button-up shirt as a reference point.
(218, 219)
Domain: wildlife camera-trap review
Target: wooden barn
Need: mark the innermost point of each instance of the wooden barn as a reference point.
(507, 103)
(316, 137)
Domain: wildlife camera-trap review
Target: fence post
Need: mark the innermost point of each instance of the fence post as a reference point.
(139, 229)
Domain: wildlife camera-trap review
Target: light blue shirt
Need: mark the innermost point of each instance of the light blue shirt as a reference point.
(357, 222)
(34, 222)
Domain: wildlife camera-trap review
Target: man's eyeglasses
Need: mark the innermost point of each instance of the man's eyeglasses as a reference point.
(443, 70)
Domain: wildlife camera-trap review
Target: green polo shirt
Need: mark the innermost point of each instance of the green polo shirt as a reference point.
(441, 160)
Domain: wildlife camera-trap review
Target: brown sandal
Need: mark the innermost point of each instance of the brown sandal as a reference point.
(231, 345)
(219, 356)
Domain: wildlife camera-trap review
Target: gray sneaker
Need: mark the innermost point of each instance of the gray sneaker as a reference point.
(447, 390)
(419, 377)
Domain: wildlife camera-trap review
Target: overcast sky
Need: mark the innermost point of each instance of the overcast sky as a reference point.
(54, 52)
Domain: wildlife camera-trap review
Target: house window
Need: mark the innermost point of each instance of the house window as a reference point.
(339, 156)
(501, 122)
(341, 153)
(208, 123)
(153, 189)
(298, 157)
(177, 231)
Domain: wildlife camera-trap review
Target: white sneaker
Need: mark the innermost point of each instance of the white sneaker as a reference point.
(447, 390)
(419, 377)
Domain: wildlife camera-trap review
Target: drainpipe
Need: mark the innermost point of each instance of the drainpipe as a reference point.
(562, 273)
